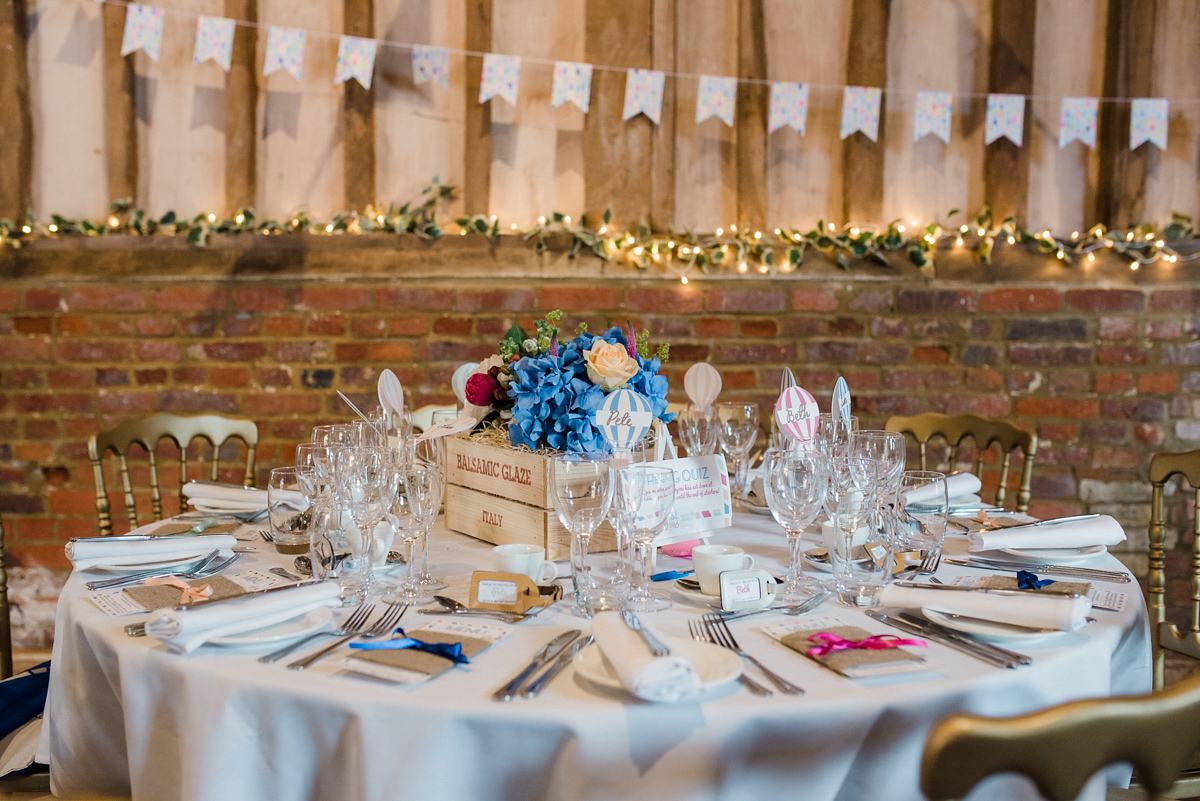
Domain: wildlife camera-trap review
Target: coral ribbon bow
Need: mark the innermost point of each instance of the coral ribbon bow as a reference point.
(187, 593)
(828, 642)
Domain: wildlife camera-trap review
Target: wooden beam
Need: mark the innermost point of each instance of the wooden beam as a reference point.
(358, 154)
(752, 100)
(618, 154)
(866, 65)
(241, 111)
(662, 139)
(1006, 166)
(1128, 72)
(120, 115)
(477, 174)
(16, 126)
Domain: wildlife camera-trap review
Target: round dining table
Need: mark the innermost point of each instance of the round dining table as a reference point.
(126, 716)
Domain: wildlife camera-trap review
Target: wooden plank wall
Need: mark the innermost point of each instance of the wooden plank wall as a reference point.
(279, 145)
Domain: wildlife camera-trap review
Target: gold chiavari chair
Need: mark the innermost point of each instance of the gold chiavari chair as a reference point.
(1166, 636)
(6, 661)
(1060, 748)
(985, 432)
(147, 433)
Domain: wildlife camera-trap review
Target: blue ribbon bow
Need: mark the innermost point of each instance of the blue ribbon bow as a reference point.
(1030, 581)
(446, 650)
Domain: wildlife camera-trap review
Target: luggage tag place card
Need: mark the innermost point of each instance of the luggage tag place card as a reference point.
(509, 592)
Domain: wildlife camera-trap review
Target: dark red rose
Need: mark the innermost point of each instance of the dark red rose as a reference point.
(480, 389)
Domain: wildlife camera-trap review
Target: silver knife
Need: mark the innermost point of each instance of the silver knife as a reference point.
(564, 659)
(986, 590)
(548, 652)
(1053, 521)
(1020, 659)
(653, 643)
(1054, 570)
(968, 647)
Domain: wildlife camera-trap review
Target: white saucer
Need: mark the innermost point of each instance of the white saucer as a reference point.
(988, 629)
(1064, 555)
(755, 509)
(715, 665)
(696, 595)
(174, 561)
(287, 631)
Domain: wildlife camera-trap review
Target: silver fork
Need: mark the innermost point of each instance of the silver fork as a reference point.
(353, 625)
(930, 561)
(197, 571)
(700, 634)
(266, 535)
(799, 609)
(721, 635)
(382, 626)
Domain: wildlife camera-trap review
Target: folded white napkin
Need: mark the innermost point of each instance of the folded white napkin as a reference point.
(956, 485)
(1102, 530)
(226, 497)
(187, 630)
(663, 678)
(96, 551)
(1029, 609)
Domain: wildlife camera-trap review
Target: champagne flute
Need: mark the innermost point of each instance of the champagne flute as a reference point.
(417, 487)
(795, 483)
(651, 515)
(737, 428)
(582, 489)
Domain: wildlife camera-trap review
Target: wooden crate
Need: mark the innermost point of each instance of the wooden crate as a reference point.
(502, 495)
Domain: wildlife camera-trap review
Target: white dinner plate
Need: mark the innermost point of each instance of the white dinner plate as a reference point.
(287, 631)
(212, 505)
(715, 665)
(988, 629)
(1065, 555)
(160, 564)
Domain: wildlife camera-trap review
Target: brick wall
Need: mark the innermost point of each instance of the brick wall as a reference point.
(1104, 364)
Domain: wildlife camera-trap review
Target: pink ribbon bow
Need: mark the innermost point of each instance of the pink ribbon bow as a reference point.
(187, 593)
(827, 643)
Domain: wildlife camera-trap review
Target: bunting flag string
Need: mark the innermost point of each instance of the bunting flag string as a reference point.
(1078, 121)
(143, 30)
(356, 59)
(431, 64)
(1148, 122)
(1005, 117)
(860, 111)
(285, 51)
(716, 96)
(500, 76)
(932, 115)
(644, 94)
(789, 107)
(572, 82)
(214, 39)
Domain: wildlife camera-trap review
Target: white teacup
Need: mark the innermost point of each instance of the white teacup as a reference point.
(710, 561)
(528, 560)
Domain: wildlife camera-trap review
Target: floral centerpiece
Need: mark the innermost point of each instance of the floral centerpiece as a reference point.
(546, 391)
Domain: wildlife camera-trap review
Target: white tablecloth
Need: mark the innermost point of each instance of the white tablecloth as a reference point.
(127, 717)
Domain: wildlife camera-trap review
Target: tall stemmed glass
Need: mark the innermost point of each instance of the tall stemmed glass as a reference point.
(363, 484)
(653, 513)
(417, 491)
(737, 428)
(795, 483)
(889, 448)
(582, 490)
(698, 430)
(429, 513)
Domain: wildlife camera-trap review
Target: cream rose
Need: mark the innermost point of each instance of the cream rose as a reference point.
(609, 365)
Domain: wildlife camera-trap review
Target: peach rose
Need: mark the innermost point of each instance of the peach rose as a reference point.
(609, 365)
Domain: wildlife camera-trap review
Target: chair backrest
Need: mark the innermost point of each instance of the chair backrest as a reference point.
(1165, 635)
(147, 433)
(6, 665)
(1061, 747)
(985, 432)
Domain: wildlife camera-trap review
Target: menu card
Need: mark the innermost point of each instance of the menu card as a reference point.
(409, 666)
(853, 663)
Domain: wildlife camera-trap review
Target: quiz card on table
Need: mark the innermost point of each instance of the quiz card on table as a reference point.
(702, 497)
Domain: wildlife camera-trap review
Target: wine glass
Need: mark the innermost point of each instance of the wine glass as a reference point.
(362, 484)
(698, 430)
(834, 441)
(737, 428)
(582, 489)
(795, 484)
(416, 490)
(429, 512)
(888, 447)
(651, 514)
